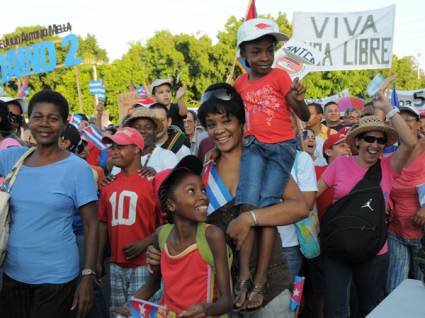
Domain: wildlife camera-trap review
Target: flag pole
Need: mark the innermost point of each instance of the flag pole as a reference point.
(80, 98)
(251, 13)
(229, 79)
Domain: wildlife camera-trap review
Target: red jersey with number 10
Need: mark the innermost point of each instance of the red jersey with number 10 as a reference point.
(127, 205)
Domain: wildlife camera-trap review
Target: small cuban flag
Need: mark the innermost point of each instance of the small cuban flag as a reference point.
(297, 292)
(97, 88)
(394, 98)
(144, 309)
(94, 135)
(142, 91)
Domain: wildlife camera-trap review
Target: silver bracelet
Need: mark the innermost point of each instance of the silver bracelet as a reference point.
(254, 217)
(392, 113)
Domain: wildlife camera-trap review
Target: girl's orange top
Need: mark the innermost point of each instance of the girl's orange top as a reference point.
(187, 279)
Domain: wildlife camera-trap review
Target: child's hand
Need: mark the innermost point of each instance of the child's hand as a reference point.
(124, 310)
(100, 107)
(153, 258)
(195, 311)
(147, 172)
(180, 92)
(297, 90)
(134, 249)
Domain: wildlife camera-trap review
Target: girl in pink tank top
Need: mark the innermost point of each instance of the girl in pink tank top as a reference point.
(187, 275)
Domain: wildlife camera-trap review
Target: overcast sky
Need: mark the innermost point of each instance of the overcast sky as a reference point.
(117, 23)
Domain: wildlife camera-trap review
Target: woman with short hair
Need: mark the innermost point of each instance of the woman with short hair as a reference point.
(42, 264)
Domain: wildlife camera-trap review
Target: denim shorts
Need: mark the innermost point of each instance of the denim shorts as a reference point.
(264, 171)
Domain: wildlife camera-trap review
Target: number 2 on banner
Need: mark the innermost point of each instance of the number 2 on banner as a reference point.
(71, 58)
(118, 211)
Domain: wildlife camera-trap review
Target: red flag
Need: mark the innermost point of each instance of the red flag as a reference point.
(252, 11)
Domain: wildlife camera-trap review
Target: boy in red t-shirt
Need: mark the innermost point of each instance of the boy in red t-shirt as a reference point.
(127, 217)
(269, 95)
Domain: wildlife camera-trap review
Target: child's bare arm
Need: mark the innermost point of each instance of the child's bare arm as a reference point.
(295, 99)
(215, 238)
(134, 249)
(154, 281)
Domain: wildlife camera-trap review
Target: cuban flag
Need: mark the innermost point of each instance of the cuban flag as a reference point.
(75, 120)
(142, 91)
(140, 308)
(297, 292)
(94, 135)
(394, 98)
(97, 88)
(218, 195)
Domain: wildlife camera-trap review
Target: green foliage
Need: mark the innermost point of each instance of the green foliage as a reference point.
(195, 61)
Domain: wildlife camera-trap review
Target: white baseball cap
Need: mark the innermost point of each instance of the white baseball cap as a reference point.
(411, 110)
(20, 100)
(256, 28)
(160, 82)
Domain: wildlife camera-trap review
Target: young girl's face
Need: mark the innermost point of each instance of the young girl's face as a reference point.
(190, 200)
(260, 55)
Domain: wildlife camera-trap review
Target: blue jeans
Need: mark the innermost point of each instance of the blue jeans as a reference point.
(295, 259)
(402, 261)
(264, 171)
(369, 277)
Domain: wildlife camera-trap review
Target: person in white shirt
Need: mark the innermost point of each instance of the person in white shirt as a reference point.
(305, 176)
(170, 139)
(154, 159)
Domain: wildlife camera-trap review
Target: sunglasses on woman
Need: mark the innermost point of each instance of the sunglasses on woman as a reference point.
(372, 139)
(222, 93)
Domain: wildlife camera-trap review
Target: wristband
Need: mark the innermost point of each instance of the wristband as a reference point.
(254, 217)
(87, 272)
(392, 113)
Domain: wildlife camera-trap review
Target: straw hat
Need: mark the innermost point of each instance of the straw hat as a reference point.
(144, 113)
(372, 123)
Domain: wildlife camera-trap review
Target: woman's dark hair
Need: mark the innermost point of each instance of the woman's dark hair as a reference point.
(168, 191)
(52, 97)
(5, 125)
(214, 105)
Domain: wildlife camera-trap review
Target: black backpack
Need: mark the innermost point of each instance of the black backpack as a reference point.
(354, 228)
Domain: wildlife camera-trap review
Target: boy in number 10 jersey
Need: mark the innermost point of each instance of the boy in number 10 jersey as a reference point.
(127, 217)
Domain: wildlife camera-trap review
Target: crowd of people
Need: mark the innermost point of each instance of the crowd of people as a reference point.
(212, 212)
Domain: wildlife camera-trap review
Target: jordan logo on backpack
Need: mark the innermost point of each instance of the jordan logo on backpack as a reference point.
(367, 205)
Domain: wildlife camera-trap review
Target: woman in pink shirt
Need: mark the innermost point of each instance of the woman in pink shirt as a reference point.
(407, 216)
(370, 138)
